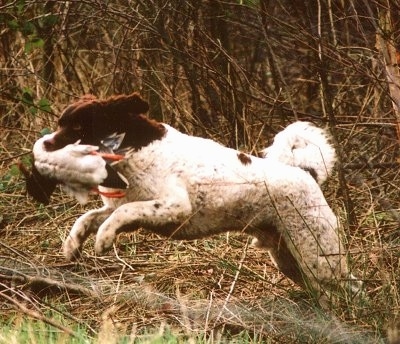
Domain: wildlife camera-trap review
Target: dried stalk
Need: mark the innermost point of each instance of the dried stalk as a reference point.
(387, 49)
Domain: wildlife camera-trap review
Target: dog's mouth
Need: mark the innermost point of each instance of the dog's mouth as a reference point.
(42, 179)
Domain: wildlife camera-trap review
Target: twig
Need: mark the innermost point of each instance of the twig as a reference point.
(14, 157)
(372, 165)
(234, 281)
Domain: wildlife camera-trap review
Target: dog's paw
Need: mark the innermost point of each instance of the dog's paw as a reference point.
(71, 248)
(260, 243)
(256, 243)
(103, 243)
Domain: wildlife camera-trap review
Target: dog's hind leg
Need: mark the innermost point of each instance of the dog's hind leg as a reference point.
(317, 249)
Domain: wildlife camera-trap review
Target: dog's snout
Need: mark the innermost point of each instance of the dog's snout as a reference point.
(49, 144)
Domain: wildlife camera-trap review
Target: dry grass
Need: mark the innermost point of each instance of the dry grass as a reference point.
(216, 288)
(233, 71)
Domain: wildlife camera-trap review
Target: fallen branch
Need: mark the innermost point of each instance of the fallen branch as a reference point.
(39, 283)
(372, 165)
(36, 315)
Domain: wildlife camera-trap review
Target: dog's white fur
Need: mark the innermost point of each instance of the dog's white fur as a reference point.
(186, 187)
(306, 146)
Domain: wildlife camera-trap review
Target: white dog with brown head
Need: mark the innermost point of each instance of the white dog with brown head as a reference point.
(186, 187)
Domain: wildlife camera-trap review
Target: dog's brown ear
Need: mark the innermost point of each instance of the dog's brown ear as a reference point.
(115, 107)
(128, 104)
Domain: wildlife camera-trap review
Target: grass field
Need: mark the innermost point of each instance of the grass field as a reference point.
(236, 72)
(153, 290)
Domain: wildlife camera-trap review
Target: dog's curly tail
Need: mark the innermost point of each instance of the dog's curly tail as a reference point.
(304, 145)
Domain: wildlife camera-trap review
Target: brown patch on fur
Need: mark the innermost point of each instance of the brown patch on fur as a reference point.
(90, 120)
(143, 131)
(132, 103)
(244, 158)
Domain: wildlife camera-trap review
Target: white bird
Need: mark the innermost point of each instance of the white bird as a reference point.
(81, 168)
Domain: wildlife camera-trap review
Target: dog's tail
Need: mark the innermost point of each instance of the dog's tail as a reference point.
(306, 146)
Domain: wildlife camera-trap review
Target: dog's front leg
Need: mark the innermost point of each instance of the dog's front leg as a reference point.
(160, 213)
(131, 216)
(82, 228)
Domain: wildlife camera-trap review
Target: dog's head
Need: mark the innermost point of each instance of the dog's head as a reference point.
(89, 120)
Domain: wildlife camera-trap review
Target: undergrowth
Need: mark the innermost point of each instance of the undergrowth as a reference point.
(236, 72)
